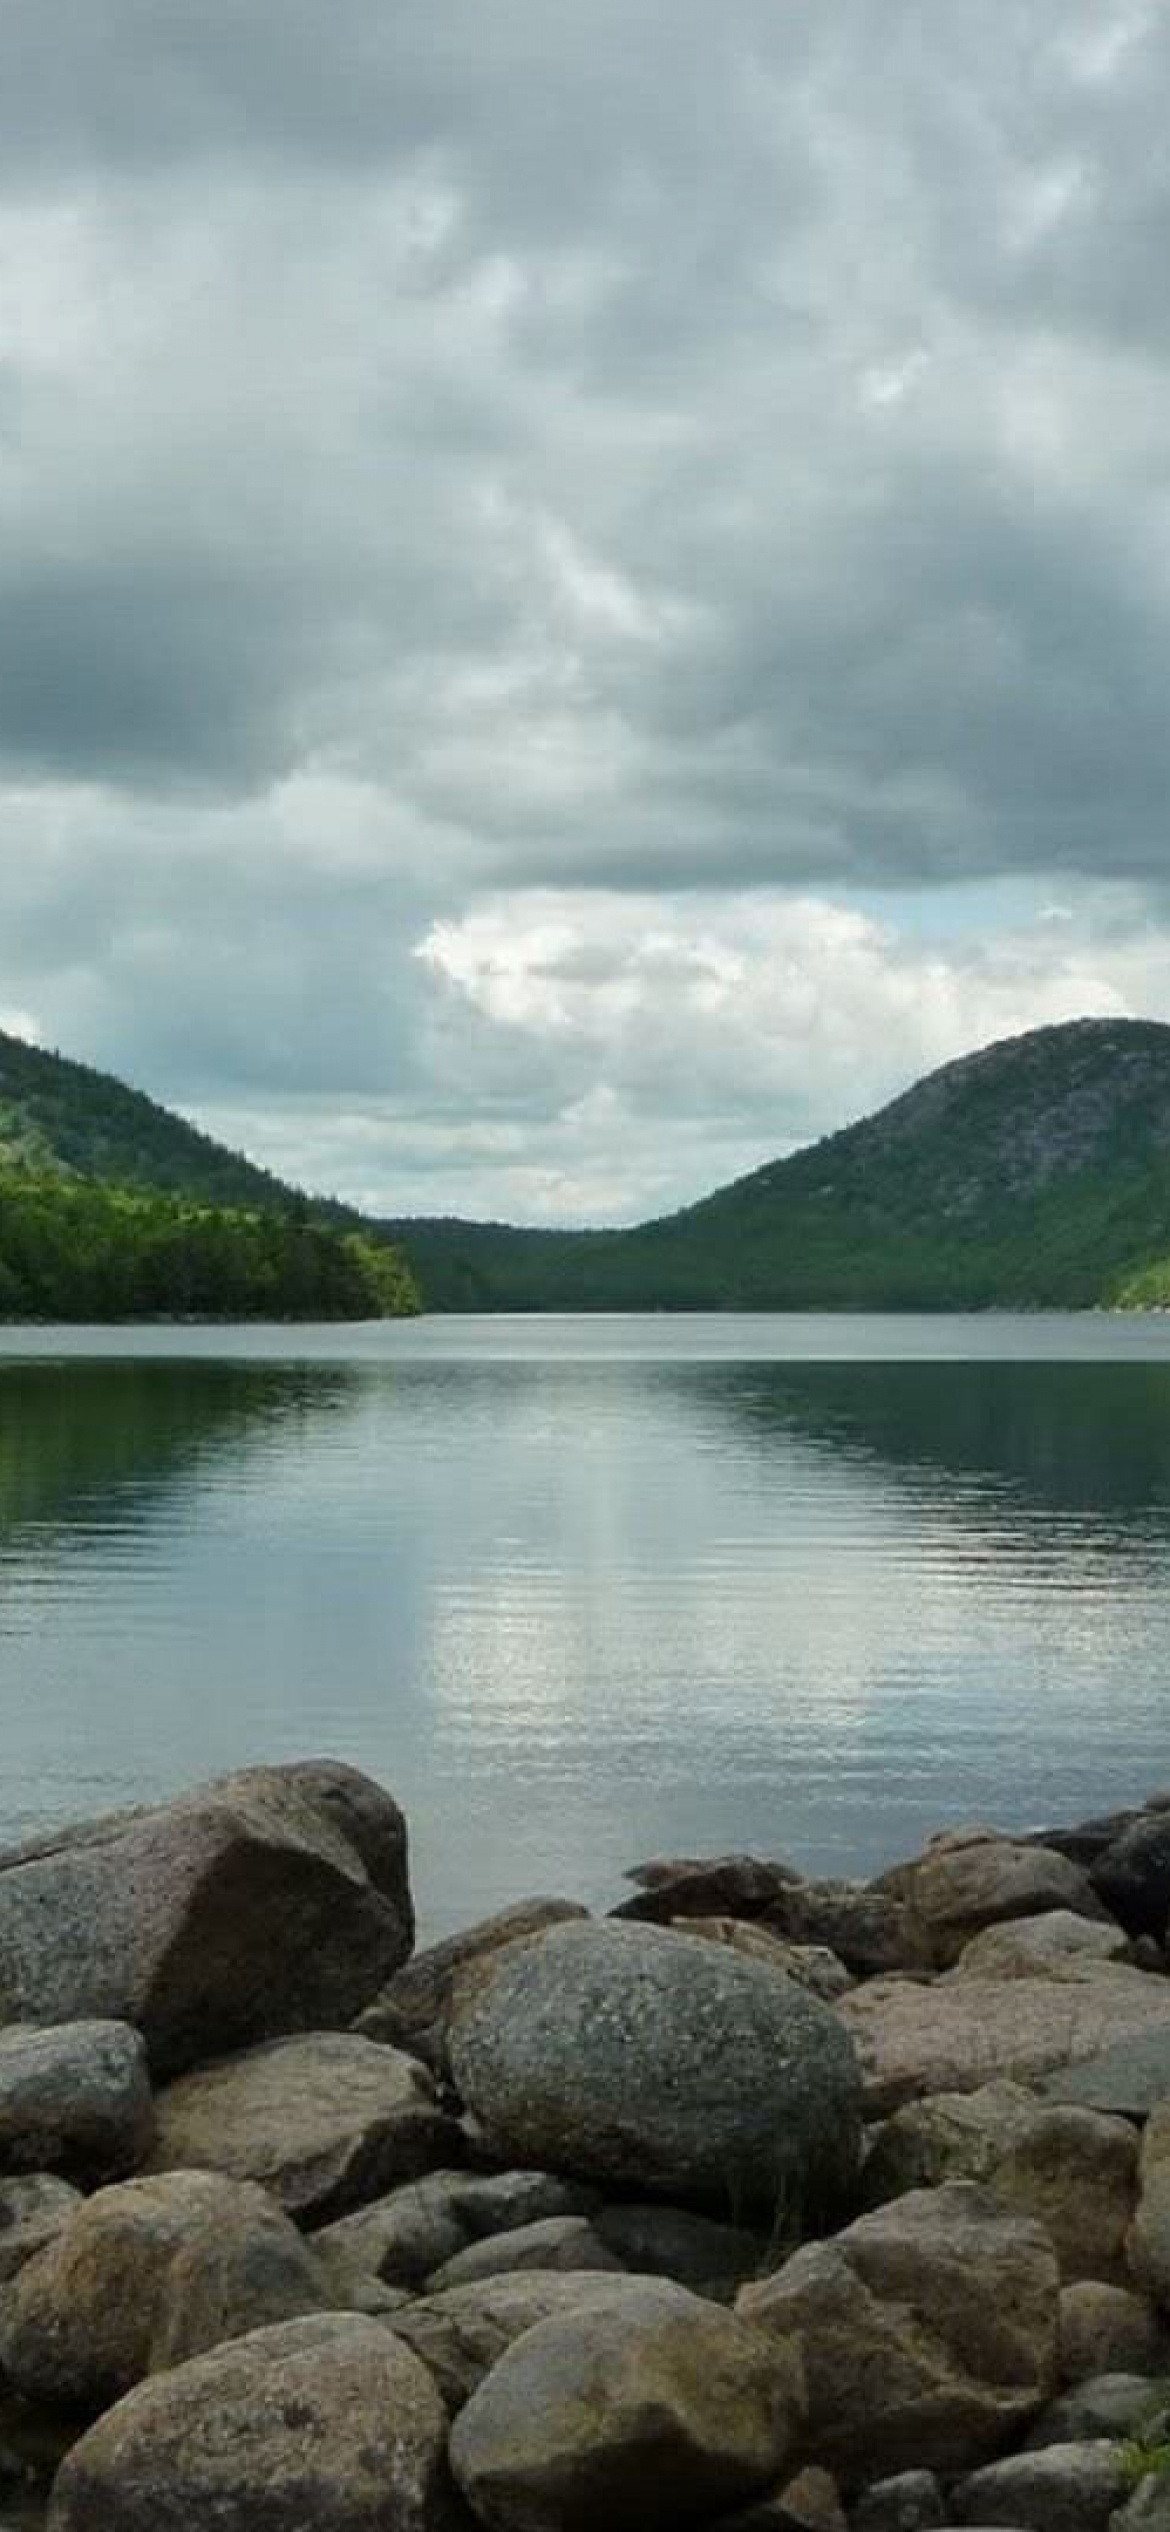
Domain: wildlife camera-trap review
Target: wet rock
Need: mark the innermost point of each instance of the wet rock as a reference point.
(962, 2032)
(324, 2122)
(272, 1900)
(606, 2050)
(329, 2422)
(928, 2332)
(74, 2099)
(1064, 2488)
(658, 2411)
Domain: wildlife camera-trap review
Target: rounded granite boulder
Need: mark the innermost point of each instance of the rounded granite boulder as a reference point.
(633, 2054)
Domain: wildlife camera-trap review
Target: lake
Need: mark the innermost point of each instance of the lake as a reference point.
(586, 1590)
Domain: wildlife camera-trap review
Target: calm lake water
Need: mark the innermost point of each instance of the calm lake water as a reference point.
(583, 1591)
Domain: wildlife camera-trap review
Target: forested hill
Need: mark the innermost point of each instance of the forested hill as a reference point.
(1033, 1174)
(112, 1208)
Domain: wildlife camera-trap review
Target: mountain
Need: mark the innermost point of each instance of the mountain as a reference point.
(1033, 1174)
(112, 1208)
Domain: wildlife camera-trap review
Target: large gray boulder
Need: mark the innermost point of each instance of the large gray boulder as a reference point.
(273, 1900)
(652, 2413)
(928, 2332)
(74, 2100)
(330, 2423)
(324, 2122)
(144, 2272)
(642, 2056)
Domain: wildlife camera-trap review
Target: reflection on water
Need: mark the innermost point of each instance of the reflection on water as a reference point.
(576, 1605)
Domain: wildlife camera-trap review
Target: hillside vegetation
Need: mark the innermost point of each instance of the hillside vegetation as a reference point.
(1033, 1174)
(112, 1208)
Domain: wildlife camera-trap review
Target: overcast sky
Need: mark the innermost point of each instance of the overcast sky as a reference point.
(584, 584)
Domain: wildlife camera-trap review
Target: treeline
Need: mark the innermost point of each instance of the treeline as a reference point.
(70, 1249)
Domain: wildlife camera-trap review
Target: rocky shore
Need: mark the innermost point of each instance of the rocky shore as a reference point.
(767, 2203)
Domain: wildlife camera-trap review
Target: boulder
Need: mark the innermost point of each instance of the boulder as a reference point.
(416, 1999)
(962, 2032)
(710, 2258)
(1149, 2242)
(968, 1879)
(329, 2422)
(1130, 2076)
(646, 2057)
(872, 1930)
(1106, 2330)
(75, 2099)
(142, 2270)
(1040, 1947)
(324, 2122)
(1115, 2406)
(1074, 2170)
(812, 1965)
(403, 2238)
(557, 2242)
(1064, 2488)
(912, 2501)
(1132, 1875)
(462, 2333)
(928, 2331)
(812, 2501)
(270, 1901)
(1148, 2509)
(33, 2209)
(711, 1886)
(646, 2415)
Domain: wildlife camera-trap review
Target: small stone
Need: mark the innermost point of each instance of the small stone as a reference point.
(1064, 2488)
(1110, 2405)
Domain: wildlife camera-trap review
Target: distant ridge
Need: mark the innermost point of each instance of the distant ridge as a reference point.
(1033, 1174)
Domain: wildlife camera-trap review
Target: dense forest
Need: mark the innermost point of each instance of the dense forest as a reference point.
(72, 1249)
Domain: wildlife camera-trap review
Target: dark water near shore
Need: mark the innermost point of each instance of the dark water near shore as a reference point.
(581, 1591)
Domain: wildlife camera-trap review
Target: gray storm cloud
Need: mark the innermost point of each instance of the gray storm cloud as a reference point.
(452, 461)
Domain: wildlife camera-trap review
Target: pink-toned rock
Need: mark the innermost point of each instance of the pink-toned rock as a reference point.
(956, 2034)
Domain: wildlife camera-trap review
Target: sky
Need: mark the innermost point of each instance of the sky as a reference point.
(584, 589)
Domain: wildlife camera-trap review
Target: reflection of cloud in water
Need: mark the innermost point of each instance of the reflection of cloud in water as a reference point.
(572, 1613)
